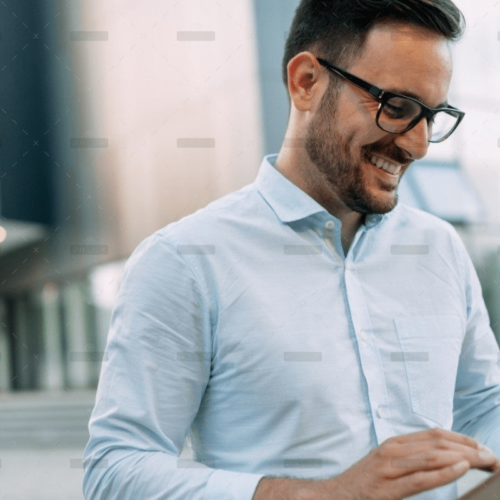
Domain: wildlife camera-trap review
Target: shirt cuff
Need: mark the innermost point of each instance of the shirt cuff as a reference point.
(226, 485)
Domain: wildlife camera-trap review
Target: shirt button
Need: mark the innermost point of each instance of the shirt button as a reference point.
(380, 412)
(364, 336)
(329, 224)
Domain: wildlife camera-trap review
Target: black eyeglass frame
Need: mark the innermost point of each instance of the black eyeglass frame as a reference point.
(383, 96)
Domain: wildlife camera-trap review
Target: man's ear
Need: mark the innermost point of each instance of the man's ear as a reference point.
(306, 81)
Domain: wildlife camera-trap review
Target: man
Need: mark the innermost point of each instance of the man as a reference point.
(314, 337)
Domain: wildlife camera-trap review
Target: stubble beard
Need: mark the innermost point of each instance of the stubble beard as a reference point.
(329, 151)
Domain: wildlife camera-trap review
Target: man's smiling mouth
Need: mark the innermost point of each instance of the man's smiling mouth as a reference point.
(382, 163)
(390, 167)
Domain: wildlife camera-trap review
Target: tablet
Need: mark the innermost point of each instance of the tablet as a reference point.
(486, 490)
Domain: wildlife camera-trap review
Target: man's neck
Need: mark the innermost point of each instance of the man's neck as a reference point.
(317, 188)
(349, 230)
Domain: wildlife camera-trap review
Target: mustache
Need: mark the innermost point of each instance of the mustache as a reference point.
(393, 155)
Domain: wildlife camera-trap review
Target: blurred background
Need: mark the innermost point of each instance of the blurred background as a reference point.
(119, 117)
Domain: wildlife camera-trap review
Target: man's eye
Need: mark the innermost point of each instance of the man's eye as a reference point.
(393, 111)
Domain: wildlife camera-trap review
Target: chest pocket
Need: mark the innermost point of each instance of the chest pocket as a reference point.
(430, 350)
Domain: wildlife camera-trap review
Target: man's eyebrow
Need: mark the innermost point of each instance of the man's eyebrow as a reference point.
(409, 93)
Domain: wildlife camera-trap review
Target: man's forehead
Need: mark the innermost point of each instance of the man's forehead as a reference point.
(407, 59)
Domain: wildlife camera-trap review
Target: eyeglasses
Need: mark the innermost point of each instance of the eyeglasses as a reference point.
(399, 113)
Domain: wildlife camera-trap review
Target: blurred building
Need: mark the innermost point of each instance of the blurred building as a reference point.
(123, 117)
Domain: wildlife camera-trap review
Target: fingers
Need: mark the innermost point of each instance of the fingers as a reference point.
(437, 434)
(434, 453)
(438, 459)
(405, 465)
(471, 449)
(427, 480)
(494, 466)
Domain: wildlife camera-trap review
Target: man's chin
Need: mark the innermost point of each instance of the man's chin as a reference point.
(372, 206)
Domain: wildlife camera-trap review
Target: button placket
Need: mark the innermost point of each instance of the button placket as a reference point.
(369, 355)
(329, 237)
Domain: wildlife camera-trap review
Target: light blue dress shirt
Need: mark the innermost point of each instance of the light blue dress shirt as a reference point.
(245, 326)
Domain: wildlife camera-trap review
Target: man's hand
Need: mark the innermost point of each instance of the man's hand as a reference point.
(405, 465)
(400, 467)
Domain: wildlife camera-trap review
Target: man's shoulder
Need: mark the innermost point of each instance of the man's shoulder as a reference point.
(199, 232)
(411, 231)
(419, 220)
(413, 224)
(219, 216)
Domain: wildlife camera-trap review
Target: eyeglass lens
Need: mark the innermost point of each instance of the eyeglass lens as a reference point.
(398, 112)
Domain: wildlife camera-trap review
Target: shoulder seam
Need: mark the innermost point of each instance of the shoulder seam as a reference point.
(200, 289)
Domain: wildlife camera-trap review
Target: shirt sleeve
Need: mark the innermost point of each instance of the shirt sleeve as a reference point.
(477, 391)
(153, 377)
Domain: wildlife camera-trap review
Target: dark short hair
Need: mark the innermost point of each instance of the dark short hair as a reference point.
(337, 29)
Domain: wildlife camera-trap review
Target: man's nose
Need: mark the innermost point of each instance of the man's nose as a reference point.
(416, 140)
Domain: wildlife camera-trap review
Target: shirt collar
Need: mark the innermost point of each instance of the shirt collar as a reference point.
(289, 202)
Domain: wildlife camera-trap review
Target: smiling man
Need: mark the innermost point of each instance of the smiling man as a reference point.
(351, 163)
(314, 337)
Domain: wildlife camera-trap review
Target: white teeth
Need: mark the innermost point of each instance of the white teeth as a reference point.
(385, 165)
